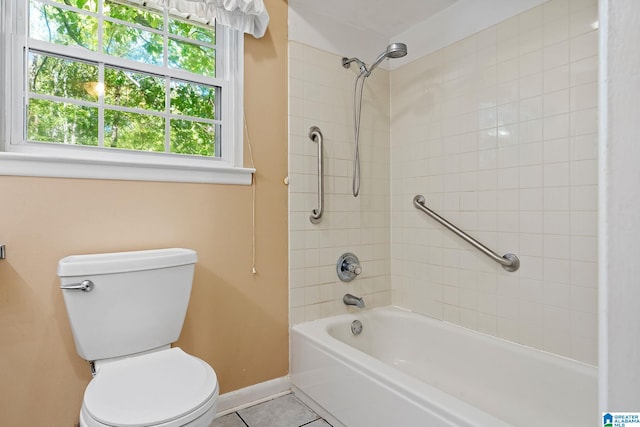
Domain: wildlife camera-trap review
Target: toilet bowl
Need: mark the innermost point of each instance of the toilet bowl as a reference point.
(123, 323)
(167, 388)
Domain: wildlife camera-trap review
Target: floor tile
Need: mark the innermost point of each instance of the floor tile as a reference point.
(285, 411)
(231, 420)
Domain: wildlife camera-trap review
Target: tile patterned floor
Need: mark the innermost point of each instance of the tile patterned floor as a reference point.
(285, 411)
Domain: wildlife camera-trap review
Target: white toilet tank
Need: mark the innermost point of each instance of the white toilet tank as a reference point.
(138, 300)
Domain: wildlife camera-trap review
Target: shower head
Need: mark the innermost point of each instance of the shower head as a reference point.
(394, 50)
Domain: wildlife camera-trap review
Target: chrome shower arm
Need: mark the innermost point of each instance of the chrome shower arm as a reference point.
(346, 63)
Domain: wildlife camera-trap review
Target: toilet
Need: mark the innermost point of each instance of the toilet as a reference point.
(125, 309)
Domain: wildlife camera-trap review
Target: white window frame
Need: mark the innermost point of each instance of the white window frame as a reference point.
(23, 158)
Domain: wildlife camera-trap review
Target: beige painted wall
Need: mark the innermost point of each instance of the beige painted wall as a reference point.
(236, 321)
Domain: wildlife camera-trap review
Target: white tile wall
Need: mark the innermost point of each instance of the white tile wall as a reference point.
(498, 131)
(320, 94)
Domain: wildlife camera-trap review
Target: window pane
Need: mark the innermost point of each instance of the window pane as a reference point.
(193, 138)
(205, 34)
(63, 27)
(132, 43)
(191, 99)
(91, 5)
(108, 86)
(134, 15)
(135, 90)
(63, 123)
(131, 131)
(191, 57)
(50, 75)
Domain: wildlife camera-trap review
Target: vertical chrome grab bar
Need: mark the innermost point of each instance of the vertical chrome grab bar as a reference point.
(509, 262)
(316, 214)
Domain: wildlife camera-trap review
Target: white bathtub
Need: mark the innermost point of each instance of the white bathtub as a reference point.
(405, 369)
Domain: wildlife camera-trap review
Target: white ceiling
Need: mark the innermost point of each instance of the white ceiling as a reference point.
(363, 28)
(387, 18)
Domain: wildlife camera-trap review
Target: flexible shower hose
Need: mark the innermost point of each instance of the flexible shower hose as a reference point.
(357, 111)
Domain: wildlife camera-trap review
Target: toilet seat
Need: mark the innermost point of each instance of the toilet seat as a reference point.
(167, 387)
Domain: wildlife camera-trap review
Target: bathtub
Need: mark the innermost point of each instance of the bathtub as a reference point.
(406, 369)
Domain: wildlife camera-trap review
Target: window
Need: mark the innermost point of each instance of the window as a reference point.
(122, 91)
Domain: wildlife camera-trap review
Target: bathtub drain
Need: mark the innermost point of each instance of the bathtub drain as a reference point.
(356, 327)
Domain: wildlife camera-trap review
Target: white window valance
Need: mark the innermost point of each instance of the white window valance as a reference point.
(249, 16)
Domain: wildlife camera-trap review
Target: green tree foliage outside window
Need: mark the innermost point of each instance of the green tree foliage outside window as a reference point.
(92, 103)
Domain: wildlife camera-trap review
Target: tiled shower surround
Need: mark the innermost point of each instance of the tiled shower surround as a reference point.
(499, 133)
(321, 94)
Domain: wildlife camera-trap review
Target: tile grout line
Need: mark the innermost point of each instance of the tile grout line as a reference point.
(241, 419)
(312, 421)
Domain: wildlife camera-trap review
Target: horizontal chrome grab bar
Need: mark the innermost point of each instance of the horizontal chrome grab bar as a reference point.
(85, 285)
(316, 214)
(509, 262)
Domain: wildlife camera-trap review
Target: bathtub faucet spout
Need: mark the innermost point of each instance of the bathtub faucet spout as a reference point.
(349, 299)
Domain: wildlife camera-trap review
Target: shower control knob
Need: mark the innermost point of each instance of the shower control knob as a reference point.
(355, 269)
(348, 267)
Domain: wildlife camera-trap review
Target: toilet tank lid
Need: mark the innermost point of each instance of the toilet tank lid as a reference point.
(120, 262)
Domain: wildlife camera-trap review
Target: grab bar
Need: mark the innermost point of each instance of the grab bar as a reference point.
(509, 262)
(316, 214)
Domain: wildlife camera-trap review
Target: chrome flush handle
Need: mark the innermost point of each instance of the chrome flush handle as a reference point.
(85, 285)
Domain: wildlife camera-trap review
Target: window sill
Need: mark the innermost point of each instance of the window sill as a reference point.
(22, 164)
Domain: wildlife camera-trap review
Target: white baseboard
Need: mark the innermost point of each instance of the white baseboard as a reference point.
(252, 395)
